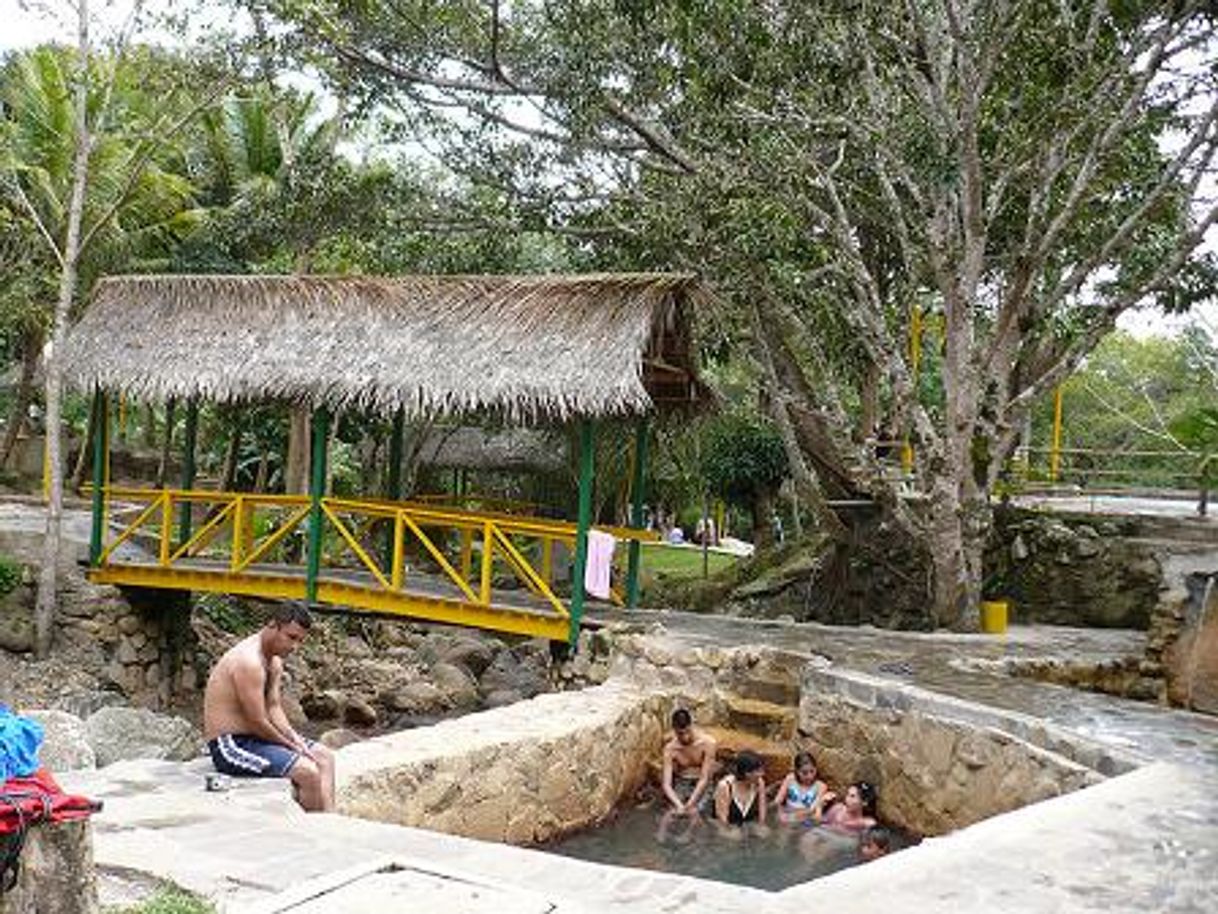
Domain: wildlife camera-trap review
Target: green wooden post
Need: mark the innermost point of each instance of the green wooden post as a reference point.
(587, 458)
(636, 512)
(393, 480)
(317, 489)
(190, 440)
(100, 446)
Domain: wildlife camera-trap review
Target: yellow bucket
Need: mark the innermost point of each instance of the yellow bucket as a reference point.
(994, 616)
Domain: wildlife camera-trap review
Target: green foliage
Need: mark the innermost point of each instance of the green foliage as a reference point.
(10, 575)
(1139, 405)
(168, 901)
(230, 613)
(743, 457)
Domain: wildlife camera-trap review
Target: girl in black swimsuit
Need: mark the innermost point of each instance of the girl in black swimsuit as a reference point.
(740, 797)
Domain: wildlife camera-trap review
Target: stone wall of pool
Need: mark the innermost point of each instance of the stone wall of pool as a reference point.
(536, 770)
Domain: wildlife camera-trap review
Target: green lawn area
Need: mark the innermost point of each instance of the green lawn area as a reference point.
(660, 559)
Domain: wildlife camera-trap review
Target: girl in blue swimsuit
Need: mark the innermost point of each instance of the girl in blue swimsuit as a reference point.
(801, 795)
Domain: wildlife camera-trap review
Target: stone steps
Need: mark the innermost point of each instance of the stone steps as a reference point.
(762, 718)
(775, 755)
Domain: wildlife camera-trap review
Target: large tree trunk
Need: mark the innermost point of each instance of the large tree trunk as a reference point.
(48, 579)
(296, 466)
(31, 349)
(763, 520)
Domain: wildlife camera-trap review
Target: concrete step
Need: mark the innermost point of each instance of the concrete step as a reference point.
(762, 718)
(779, 691)
(775, 754)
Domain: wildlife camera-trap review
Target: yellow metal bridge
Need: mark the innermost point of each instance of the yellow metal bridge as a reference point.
(478, 568)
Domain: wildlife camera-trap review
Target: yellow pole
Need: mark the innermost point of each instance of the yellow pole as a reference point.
(1055, 452)
(915, 359)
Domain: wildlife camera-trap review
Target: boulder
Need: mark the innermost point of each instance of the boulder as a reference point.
(339, 737)
(126, 733)
(1192, 660)
(472, 654)
(82, 704)
(16, 622)
(65, 742)
(359, 713)
(327, 705)
(501, 697)
(414, 698)
(456, 685)
(508, 672)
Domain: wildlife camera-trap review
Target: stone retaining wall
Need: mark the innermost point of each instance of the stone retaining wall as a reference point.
(532, 771)
(940, 763)
(521, 774)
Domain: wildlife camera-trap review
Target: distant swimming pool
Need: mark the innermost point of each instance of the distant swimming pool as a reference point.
(774, 859)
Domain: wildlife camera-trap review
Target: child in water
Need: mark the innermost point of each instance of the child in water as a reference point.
(856, 812)
(801, 796)
(875, 842)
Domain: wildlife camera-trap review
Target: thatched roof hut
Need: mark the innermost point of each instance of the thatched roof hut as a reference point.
(525, 347)
(509, 449)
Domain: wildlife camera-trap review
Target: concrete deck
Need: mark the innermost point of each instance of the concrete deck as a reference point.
(1147, 840)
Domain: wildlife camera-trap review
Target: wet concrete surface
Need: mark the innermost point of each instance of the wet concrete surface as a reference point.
(939, 662)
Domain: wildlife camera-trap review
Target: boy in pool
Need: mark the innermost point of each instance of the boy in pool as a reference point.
(875, 842)
(689, 763)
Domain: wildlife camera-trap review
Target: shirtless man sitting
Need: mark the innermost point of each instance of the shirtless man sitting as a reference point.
(247, 731)
(689, 763)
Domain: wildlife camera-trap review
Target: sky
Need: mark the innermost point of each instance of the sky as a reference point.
(31, 22)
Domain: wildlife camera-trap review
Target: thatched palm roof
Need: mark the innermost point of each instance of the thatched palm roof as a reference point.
(523, 346)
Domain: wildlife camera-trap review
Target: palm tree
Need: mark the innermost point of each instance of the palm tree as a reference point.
(130, 216)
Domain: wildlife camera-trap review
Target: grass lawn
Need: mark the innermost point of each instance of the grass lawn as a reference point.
(667, 561)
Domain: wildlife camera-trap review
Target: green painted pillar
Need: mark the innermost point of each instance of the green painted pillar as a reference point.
(636, 510)
(190, 438)
(101, 445)
(317, 489)
(587, 459)
(393, 480)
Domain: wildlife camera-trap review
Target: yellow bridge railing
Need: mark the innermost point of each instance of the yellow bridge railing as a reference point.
(413, 559)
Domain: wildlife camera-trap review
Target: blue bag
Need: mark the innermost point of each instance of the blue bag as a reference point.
(20, 739)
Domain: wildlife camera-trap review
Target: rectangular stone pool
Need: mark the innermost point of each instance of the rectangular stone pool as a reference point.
(772, 857)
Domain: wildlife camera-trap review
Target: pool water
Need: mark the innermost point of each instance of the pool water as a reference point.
(772, 857)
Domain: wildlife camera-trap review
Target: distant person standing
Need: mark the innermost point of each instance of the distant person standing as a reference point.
(248, 734)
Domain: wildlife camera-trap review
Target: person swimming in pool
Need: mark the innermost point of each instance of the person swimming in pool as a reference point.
(740, 797)
(855, 812)
(801, 795)
(689, 764)
(874, 843)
